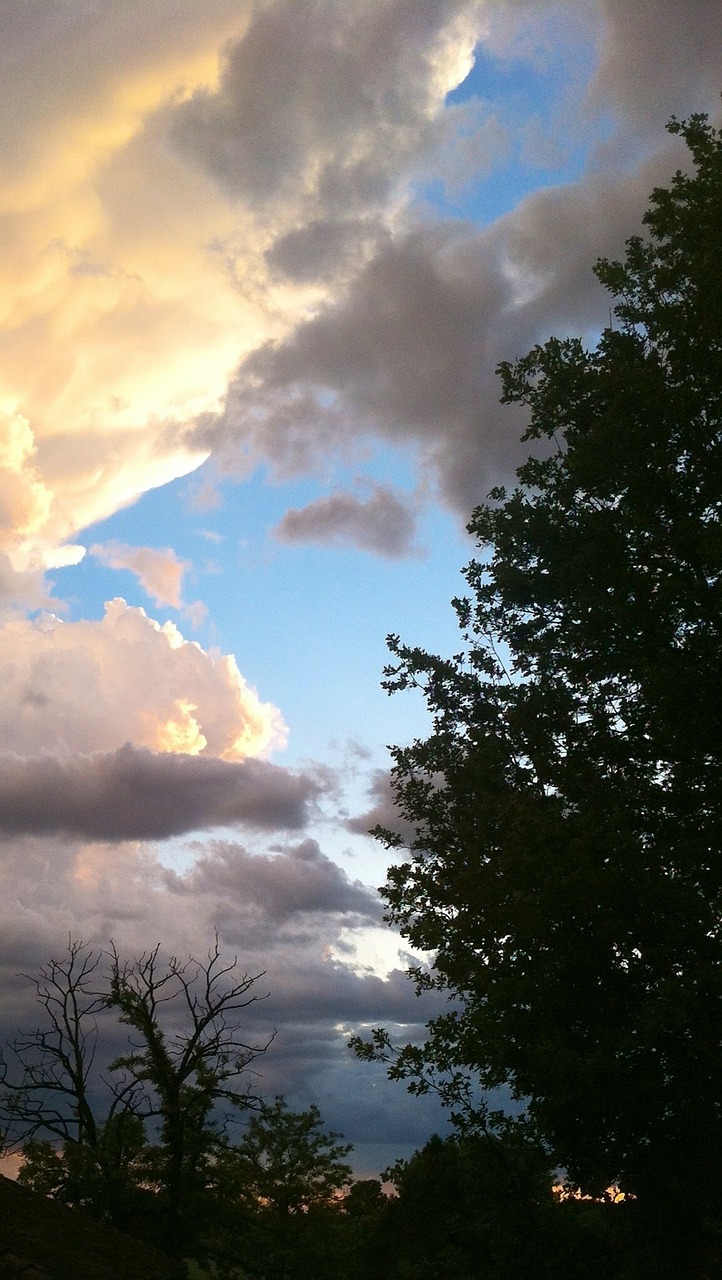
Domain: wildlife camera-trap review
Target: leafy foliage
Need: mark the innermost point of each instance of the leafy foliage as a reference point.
(478, 1206)
(568, 801)
(288, 1162)
(106, 1179)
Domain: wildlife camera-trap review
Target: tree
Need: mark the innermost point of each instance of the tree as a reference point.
(55, 1092)
(568, 800)
(50, 1090)
(85, 1128)
(190, 1071)
(109, 1179)
(288, 1162)
(278, 1190)
(481, 1205)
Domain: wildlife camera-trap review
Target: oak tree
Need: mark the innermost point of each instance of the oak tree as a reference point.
(566, 872)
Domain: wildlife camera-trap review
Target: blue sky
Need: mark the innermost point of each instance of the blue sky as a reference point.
(260, 262)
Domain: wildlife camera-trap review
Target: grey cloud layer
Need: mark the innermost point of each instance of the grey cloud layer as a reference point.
(382, 812)
(409, 351)
(279, 913)
(282, 885)
(659, 59)
(134, 793)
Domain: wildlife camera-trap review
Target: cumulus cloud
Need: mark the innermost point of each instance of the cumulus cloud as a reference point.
(158, 569)
(409, 352)
(92, 686)
(114, 326)
(131, 285)
(21, 590)
(383, 523)
(134, 793)
(166, 213)
(324, 106)
(24, 499)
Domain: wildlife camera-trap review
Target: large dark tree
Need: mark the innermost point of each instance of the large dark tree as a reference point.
(482, 1207)
(567, 871)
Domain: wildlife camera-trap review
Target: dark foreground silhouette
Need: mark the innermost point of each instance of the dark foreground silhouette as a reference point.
(41, 1239)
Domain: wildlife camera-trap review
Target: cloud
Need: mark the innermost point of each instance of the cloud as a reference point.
(322, 249)
(278, 913)
(408, 353)
(21, 590)
(159, 570)
(134, 793)
(92, 686)
(115, 328)
(383, 523)
(282, 885)
(657, 60)
(24, 499)
(383, 811)
(166, 214)
(131, 284)
(324, 106)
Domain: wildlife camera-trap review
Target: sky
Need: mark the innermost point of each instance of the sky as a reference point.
(259, 262)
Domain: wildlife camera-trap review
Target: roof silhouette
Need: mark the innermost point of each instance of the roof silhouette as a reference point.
(41, 1239)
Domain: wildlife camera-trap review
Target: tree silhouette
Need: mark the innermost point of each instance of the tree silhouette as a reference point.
(95, 1130)
(568, 801)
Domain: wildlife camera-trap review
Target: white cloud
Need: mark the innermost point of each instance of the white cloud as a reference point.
(130, 284)
(91, 686)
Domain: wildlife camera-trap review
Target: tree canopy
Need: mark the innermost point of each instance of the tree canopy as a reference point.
(568, 800)
(287, 1161)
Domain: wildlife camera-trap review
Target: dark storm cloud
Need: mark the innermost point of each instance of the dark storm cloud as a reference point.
(382, 523)
(134, 793)
(312, 999)
(659, 59)
(282, 885)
